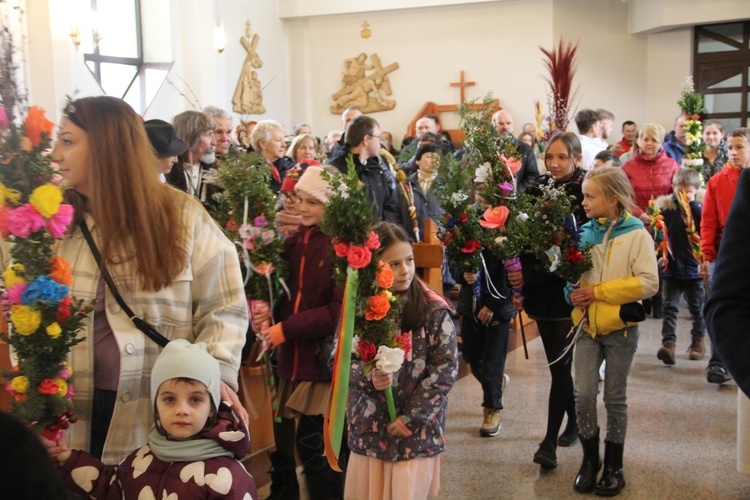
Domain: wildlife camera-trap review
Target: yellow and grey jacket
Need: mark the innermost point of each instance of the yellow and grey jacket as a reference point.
(624, 271)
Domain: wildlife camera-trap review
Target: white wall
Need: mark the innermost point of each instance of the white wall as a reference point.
(637, 77)
(495, 44)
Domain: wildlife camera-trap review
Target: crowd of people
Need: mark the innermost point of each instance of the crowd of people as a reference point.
(140, 189)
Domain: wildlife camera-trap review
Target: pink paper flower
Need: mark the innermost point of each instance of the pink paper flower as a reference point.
(494, 217)
(3, 119)
(23, 221)
(58, 223)
(513, 163)
(372, 241)
(358, 257)
(341, 249)
(13, 294)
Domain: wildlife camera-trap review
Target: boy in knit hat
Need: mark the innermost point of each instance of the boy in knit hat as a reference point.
(193, 449)
(306, 322)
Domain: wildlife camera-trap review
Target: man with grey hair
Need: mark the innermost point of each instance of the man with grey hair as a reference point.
(223, 130)
(502, 122)
(195, 129)
(302, 128)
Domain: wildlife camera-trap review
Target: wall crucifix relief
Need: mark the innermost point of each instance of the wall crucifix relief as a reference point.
(365, 85)
(248, 96)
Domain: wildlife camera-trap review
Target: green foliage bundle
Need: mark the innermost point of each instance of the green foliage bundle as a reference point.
(246, 214)
(691, 104)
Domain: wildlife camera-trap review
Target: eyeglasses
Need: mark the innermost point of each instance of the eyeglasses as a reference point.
(377, 137)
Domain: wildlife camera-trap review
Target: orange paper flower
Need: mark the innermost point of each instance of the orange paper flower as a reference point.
(494, 217)
(379, 307)
(60, 270)
(37, 125)
(385, 276)
(265, 269)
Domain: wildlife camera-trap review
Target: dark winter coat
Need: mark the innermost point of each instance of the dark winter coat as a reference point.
(681, 263)
(542, 290)
(143, 475)
(381, 185)
(311, 314)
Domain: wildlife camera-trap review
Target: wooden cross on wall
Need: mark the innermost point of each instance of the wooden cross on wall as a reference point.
(462, 84)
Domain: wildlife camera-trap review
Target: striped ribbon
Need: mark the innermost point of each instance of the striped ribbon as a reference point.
(335, 418)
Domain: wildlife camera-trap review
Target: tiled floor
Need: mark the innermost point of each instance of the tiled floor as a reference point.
(680, 445)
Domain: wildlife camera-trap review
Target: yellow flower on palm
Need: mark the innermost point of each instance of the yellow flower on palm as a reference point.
(46, 199)
(11, 277)
(25, 320)
(20, 384)
(54, 330)
(11, 195)
(63, 387)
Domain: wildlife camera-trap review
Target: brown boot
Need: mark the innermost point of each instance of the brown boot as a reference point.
(697, 349)
(666, 352)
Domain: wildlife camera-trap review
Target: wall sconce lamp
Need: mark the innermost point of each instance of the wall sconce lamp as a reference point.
(220, 38)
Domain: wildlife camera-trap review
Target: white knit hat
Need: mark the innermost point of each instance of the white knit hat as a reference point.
(181, 359)
(312, 182)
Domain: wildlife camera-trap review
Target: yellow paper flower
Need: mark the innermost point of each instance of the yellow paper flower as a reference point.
(11, 195)
(10, 276)
(20, 384)
(26, 145)
(25, 320)
(63, 387)
(54, 330)
(46, 199)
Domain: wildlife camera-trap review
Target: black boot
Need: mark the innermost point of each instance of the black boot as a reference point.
(612, 481)
(284, 485)
(325, 485)
(586, 478)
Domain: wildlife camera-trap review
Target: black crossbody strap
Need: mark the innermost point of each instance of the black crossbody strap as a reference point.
(147, 329)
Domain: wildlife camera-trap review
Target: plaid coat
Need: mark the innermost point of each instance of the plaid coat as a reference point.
(205, 303)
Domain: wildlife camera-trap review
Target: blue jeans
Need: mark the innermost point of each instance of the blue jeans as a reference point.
(672, 289)
(618, 348)
(484, 349)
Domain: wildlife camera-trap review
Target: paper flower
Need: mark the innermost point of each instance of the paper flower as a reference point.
(554, 255)
(63, 310)
(36, 126)
(3, 119)
(372, 242)
(385, 276)
(44, 289)
(366, 350)
(62, 387)
(514, 164)
(459, 196)
(379, 305)
(58, 223)
(358, 257)
(20, 384)
(506, 188)
(341, 249)
(25, 320)
(471, 246)
(11, 195)
(60, 270)
(46, 199)
(14, 293)
(389, 360)
(404, 341)
(482, 173)
(23, 221)
(54, 330)
(11, 276)
(48, 387)
(495, 217)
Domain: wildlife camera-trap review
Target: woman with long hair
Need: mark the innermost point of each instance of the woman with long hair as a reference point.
(169, 261)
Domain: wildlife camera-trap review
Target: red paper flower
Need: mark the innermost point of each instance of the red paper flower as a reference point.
(358, 257)
(404, 341)
(341, 249)
(574, 255)
(367, 350)
(464, 218)
(373, 241)
(471, 246)
(48, 387)
(63, 310)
